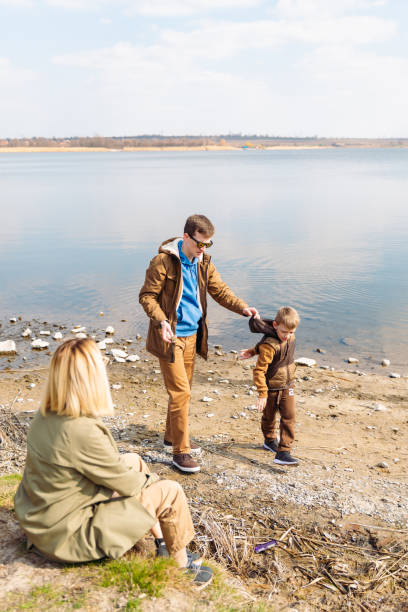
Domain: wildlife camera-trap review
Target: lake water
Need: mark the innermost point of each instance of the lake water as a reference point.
(324, 231)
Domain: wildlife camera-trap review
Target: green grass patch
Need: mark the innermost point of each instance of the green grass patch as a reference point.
(136, 575)
(8, 487)
(49, 598)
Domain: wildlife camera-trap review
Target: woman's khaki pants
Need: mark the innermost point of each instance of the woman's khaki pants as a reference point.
(166, 500)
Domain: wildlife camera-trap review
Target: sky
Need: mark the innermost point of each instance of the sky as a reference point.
(334, 68)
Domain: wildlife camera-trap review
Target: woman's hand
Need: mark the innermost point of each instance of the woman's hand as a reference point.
(245, 354)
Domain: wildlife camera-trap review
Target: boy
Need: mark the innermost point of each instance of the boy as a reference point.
(273, 376)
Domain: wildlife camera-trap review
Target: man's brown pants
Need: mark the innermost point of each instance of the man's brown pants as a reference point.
(177, 378)
(282, 401)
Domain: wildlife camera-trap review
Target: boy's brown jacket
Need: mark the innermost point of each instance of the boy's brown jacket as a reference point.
(162, 291)
(275, 367)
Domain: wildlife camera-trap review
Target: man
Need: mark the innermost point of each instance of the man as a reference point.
(174, 297)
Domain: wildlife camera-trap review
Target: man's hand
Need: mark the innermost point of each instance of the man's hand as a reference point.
(245, 354)
(166, 331)
(251, 312)
(261, 403)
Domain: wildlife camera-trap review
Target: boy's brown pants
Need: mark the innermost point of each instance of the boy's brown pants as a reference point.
(166, 500)
(177, 378)
(282, 401)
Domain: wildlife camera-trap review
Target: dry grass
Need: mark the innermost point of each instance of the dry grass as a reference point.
(326, 567)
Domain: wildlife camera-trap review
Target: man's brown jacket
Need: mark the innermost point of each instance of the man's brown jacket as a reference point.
(162, 291)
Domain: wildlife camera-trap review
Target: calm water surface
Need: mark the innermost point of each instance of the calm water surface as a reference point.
(324, 231)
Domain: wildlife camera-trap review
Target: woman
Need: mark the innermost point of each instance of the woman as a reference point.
(79, 499)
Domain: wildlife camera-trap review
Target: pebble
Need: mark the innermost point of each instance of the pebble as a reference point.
(305, 361)
(209, 379)
(39, 344)
(394, 429)
(77, 329)
(206, 399)
(352, 360)
(119, 359)
(80, 336)
(385, 363)
(234, 352)
(250, 392)
(324, 367)
(13, 320)
(348, 469)
(58, 336)
(110, 330)
(394, 375)
(108, 341)
(382, 464)
(396, 460)
(116, 386)
(224, 380)
(118, 353)
(218, 346)
(133, 358)
(101, 345)
(128, 341)
(8, 347)
(234, 396)
(31, 385)
(318, 391)
(209, 415)
(27, 333)
(319, 350)
(219, 353)
(378, 407)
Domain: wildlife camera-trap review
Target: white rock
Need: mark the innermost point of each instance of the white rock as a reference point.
(156, 371)
(144, 391)
(39, 344)
(234, 352)
(206, 399)
(251, 407)
(352, 360)
(234, 396)
(216, 392)
(120, 354)
(394, 375)
(305, 361)
(80, 336)
(396, 460)
(348, 469)
(382, 464)
(27, 333)
(133, 358)
(108, 341)
(116, 386)
(20, 399)
(250, 392)
(101, 345)
(8, 347)
(57, 336)
(224, 380)
(209, 415)
(234, 416)
(13, 320)
(219, 353)
(78, 329)
(385, 363)
(378, 407)
(318, 390)
(120, 359)
(31, 385)
(110, 330)
(128, 341)
(146, 416)
(45, 332)
(209, 379)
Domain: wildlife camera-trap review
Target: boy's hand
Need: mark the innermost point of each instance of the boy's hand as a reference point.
(245, 354)
(261, 403)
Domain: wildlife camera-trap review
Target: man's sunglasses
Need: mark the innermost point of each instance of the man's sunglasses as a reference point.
(200, 244)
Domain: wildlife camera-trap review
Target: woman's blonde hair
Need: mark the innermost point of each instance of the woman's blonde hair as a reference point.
(77, 384)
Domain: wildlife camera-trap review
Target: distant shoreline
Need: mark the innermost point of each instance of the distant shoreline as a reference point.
(194, 148)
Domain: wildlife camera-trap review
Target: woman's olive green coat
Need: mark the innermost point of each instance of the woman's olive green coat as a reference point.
(64, 500)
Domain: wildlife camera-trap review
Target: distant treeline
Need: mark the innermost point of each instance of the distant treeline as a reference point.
(155, 140)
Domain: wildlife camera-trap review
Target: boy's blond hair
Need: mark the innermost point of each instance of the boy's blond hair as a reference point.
(77, 383)
(287, 316)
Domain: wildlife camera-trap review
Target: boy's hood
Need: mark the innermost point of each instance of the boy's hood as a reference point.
(262, 326)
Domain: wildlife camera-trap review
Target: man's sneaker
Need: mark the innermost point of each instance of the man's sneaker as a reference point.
(193, 558)
(185, 463)
(271, 445)
(285, 458)
(201, 575)
(195, 449)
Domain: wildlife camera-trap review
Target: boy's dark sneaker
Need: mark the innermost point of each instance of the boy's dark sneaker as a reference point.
(271, 445)
(185, 463)
(195, 449)
(285, 458)
(201, 575)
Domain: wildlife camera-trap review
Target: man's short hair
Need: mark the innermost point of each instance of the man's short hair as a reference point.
(288, 317)
(199, 223)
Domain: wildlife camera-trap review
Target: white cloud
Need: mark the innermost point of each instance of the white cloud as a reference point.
(17, 3)
(299, 9)
(156, 8)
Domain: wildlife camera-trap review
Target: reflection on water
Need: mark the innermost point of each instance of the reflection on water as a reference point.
(324, 231)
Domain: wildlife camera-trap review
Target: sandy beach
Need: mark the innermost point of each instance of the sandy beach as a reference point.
(349, 489)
